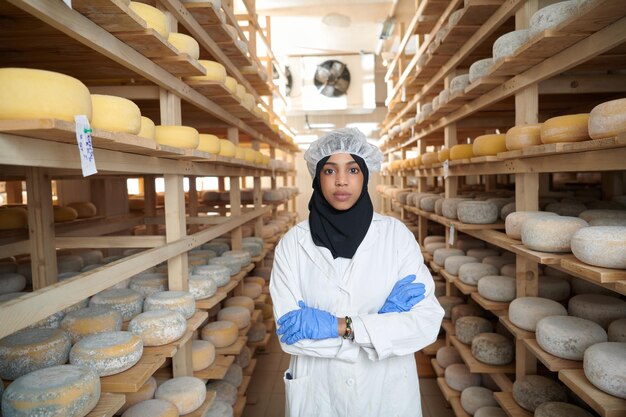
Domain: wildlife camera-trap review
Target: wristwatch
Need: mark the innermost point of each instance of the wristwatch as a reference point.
(349, 333)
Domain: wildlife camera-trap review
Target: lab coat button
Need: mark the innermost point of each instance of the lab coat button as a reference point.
(350, 382)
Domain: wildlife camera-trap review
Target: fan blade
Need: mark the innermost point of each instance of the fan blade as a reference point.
(322, 74)
(337, 68)
(328, 91)
(342, 85)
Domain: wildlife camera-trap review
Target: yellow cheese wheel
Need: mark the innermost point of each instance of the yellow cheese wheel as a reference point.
(231, 84)
(570, 128)
(152, 408)
(158, 327)
(146, 392)
(177, 136)
(487, 145)
(239, 152)
(155, 19)
(522, 136)
(187, 393)
(227, 148)
(214, 72)
(31, 349)
(240, 91)
(209, 143)
(13, 218)
(84, 209)
(249, 101)
(185, 44)
(91, 320)
(238, 315)
(202, 354)
(147, 128)
(240, 301)
(220, 333)
(266, 159)
(249, 155)
(58, 391)
(430, 158)
(107, 353)
(34, 94)
(443, 154)
(252, 290)
(64, 214)
(418, 161)
(115, 114)
(461, 152)
(257, 280)
(608, 119)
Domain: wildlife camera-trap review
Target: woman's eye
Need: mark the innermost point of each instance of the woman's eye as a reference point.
(354, 170)
(328, 171)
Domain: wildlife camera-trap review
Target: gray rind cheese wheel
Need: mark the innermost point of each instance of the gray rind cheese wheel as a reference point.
(550, 16)
(433, 239)
(450, 206)
(506, 210)
(447, 302)
(96, 352)
(551, 234)
(233, 265)
(507, 44)
(481, 253)
(568, 337)
(559, 409)
(158, 327)
(148, 283)
(181, 301)
(525, 312)
(493, 349)
(439, 206)
(508, 270)
(433, 246)
(497, 261)
(202, 286)
(617, 331)
(440, 255)
(453, 263)
(473, 398)
(428, 203)
(257, 332)
(497, 288)
(466, 328)
(604, 365)
(591, 216)
(218, 273)
(459, 83)
(514, 221)
(601, 309)
(225, 392)
(553, 288)
(464, 310)
(477, 212)
(480, 68)
(458, 377)
(471, 273)
(603, 246)
(447, 356)
(490, 412)
(531, 391)
(219, 409)
(468, 243)
(234, 375)
(566, 208)
(128, 302)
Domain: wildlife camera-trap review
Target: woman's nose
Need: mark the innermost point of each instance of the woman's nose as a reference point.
(340, 179)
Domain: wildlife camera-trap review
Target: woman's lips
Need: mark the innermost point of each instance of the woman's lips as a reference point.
(342, 196)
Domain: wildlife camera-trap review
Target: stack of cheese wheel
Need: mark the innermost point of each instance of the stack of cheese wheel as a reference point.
(115, 114)
(107, 353)
(177, 136)
(158, 327)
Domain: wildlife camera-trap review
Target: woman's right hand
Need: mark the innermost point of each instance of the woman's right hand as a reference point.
(404, 295)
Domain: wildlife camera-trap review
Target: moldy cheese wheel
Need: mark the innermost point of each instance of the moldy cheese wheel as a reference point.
(115, 114)
(158, 327)
(177, 136)
(570, 128)
(519, 137)
(91, 320)
(107, 353)
(487, 145)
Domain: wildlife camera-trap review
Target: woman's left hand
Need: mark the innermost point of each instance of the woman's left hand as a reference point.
(306, 323)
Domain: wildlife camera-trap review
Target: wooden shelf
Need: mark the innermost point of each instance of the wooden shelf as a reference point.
(249, 370)
(477, 367)
(209, 303)
(455, 402)
(465, 288)
(495, 237)
(448, 393)
(448, 327)
(604, 404)
(592, 273)
(170, 349)
(431, 350)
(519, 334)
(241, 391)
(134, 378)
(496, 307)
(436, 268)
(206, 13)
(113, 16)
(234, 349)
(217, 370)
(208, 402)
(439, 371)
(544, 258)
(510, 407)
(554, 149)
(503, 382)
(553, 363)
(197, 320)
(108, 405)
(262, 343)
(239, 406)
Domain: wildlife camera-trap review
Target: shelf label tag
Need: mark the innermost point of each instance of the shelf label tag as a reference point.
(446, 169)
(85, 147)
(68, 2)
(451, 238)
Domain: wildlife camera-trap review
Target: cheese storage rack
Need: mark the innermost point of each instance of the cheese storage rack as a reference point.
(565, 70)
(110, 49)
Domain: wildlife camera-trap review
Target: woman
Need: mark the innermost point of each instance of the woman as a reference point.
(352, 295)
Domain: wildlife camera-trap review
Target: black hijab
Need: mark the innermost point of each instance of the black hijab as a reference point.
(340, 231)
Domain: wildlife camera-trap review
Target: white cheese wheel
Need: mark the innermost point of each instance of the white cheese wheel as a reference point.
(559, 409)
(91, 320)
(459, 83)
(238, 315)
(218, 273)
(568, 337)
(448, 302)
(514, 221)
(480, 68)
(604, 365)
(468, 327)
(85, 210)
(115, 114)
(233, 264)
(219, 409)
(154, 18)
(509, 43)
(493, 349)
(147, 129)
(64, 214)
(433, 239)
(234, 375)
(553, 288)
(550, 16)
(473, 398)
(12, 282)
(497, 261)
(608, 119)
(497, 288)
(603, 246)
(433, 246)
(181, 301)
(472, 273)
(202, 286)
(566, 208)
(152, 408)
(220, 333)
(447, 356)
(490, 412)
(453, 263)
(617, 331)
(525, 312)
(185, 44)
(59, 391)
(522, 136)
(604, 217)
(458, 377)
(487, 145)
(202, 354)
(148, 283)
(570, 128)
(107, 353)
(225, 392)
(35, 94)
(145, 392)
(227, 148)
(440, 255)
(158, 327)
(31, 349)
(477, 212)
(187, 393)
(530, 391)
(598, 308)
(128, 302)
(177, 136)
(550, 233)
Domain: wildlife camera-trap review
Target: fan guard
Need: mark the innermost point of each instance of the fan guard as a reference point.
(332, 78)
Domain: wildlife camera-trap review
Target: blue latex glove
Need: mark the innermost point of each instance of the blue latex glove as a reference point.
(306, 323)
(404, 295)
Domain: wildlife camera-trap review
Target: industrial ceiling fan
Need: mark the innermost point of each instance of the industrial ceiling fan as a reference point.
(332, 78)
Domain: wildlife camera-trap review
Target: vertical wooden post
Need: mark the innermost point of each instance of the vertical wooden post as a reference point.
(175, 229)
(421, 187)
(235, 195)
(403, 182)
(149, 202)
(43, 258)
(257, 195)
(193, 203)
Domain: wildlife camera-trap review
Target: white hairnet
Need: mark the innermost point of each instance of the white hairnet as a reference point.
(347, 140)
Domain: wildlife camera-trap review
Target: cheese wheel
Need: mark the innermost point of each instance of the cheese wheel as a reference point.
(453, 263)
(177, 136)
(430, 158)
(31, 349)
(447, 356)
(227, 148)
(486, 145)
(239, 153)
(249, 101)
(147, 128)
(448, 302)
(244, 357)
(550, 16)
(458, 377)
(149, 283)
(145, 392)
(208, 143)
(158, 327)
(257, 332)
(115, 114)
(70, 263)
(440, 255)
(603, 246)
(231, 84)
(91, 320)
(492, 349)
(220, 274)
(233, 264)
(530, 391)
(249, 155)
(185, 44)
(252, 290)
(509, 43)
(35, 94)
(214, 72)
(566, 208)
(155, 19)
(443, 155)
(458, 152)
(202, 286)
(550, 233)
(58, 391)
(242, 256)
(238, 315)
(598, 308)
(617, 330)
(497, 288)
(473, 398)
(608, 119)
(477, 212)
(253, 248)
(570, 128)
(525, 312)
(84, 209)
(202, 354)
(568, 337)
(514, 221)
(559, 409)
(471, 273)
(107, 353)
(187, 393)
(240, 301)
(522, 136)
(225, 391)
(604, 365)
(64, 214)
(12, 282)
(181, 301)
(152, 408)
(220, 333)
(128, 302)
(480, 69)
(240, 91)
(459, 83)
(468, 327)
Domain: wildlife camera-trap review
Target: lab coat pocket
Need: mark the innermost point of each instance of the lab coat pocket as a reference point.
(299, 402)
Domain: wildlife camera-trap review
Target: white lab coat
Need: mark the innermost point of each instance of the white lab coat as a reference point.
(375, 375)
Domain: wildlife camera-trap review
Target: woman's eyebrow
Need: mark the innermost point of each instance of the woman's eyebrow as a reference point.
(336, 164)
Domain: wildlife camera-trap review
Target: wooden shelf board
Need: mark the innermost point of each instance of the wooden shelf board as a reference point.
(108, 405)
(206, 13)
(496, 307)
(484, 85)
(262, 343)
(544, 258)
(249, 370)
(447, 325)
(217, 370)
(455, 402)
(620, 287)
(181, 65)
(503, 382)
(239, 406)
(510, 407)
(245, 330)
(209, 303)
(436, 268)
(439, 371)
(592, 16)
(219, 32)
(197, 320)
(241, 391)
(592, 273)
(565, 148)
(481, 159)
(147, 42)
(447, 392)
(234, 349)
(111, 15)
(170, 349)
(257, 315)
(134, 378)
(431, 350)
(604, 404)
(478, 11)
(495, 237)
(553, 363)
(477, 367)
(516, 331)
(513, 65)
(208, 402)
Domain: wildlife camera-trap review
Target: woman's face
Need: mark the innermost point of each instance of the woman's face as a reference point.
(341, 180)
